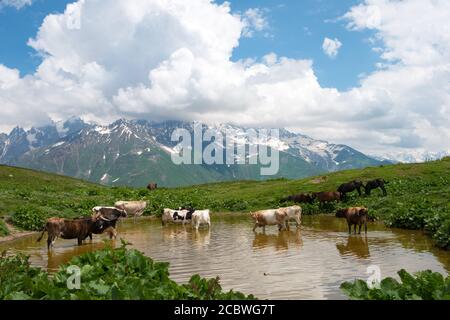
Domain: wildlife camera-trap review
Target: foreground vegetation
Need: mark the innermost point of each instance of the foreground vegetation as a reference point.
(423, 285)
(418, 196)
(106, 274)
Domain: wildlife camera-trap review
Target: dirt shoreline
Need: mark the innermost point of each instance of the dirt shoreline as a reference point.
(15, 234)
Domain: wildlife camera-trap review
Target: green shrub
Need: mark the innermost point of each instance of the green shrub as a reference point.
(92, 193)
(108, 274)
(424, 285)
(442, 234)
(235, 204)
(3, 229)
(407, 218)
(29, 218)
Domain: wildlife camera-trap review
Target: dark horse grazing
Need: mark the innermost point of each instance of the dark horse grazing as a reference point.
(349, 187)
(373, 184)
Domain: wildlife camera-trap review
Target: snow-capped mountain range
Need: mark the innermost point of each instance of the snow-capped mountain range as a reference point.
(134, 152)
(414, 156)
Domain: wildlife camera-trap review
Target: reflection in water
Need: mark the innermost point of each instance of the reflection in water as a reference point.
(309, 263)
(280, 241)
(356, 245)
(60, 256)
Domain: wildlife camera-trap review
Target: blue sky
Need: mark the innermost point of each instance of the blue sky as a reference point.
(296, 29)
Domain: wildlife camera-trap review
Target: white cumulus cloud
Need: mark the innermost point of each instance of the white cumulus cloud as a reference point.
(331, 47)
(254, 19)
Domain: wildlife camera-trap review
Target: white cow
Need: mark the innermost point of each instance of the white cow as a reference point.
(174, 216)
(293, 213)
(200, 217)
(132, 208)
(270, 217)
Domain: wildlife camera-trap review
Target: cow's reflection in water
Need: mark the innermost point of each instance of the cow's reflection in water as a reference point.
(175, 232)
(63, 254)
(356, 246)
(186, 233)
(201, 238)
(280, 241)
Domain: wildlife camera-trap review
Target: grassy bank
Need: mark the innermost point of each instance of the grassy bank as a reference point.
(418, 196)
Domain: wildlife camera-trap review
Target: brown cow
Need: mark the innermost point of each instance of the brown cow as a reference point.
(355, 216)
(68, 229)
(152, 186)
(300, 198)
(327, 196)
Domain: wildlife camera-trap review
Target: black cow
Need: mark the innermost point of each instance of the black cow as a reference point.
(350, 187)
(373, 184)
(107, 220)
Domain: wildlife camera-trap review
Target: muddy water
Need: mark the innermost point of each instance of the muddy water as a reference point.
(309, 263)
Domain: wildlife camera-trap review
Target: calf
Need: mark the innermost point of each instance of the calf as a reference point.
(350, 187)
(355, 216)
(200, 217)
(270, 217)
(373, 184)
(293, 213)
(68, 229)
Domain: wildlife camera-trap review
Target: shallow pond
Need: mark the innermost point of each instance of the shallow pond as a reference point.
(309, 263)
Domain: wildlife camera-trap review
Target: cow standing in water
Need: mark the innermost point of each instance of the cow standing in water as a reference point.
(132, 208)
(201, 217)
(293, 213)
(354, 216)
(175, 216)
(68, 229)
(270, 217)
(108, 220)
(373, 184)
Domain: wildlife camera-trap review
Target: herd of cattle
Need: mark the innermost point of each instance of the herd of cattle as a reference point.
(340, 193)
(104, 219)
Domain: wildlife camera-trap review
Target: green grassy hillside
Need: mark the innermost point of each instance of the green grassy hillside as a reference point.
(418, 196)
